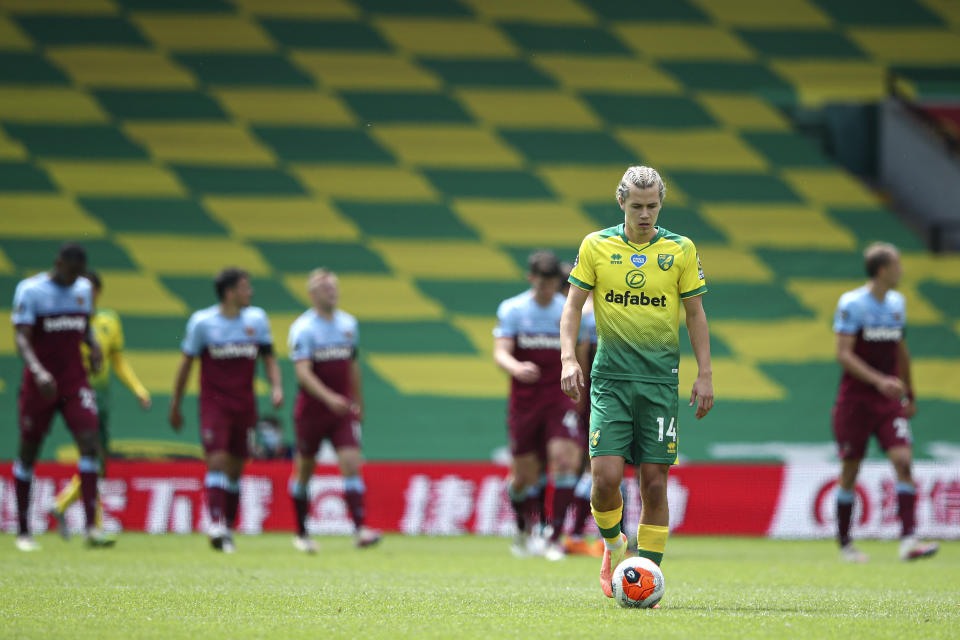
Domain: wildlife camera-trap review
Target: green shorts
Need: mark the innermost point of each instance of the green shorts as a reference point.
(634, 420)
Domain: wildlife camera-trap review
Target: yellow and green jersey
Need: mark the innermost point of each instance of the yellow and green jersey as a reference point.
(109, 334)
(637, 291)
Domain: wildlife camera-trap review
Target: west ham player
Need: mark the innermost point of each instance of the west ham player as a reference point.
(543, 423)
(109, 333)
(228, 338)
(640, 274)
(875, 395)
(51, 313)
(323, 346)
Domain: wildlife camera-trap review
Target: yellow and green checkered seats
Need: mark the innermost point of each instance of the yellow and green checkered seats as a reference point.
(423, 148)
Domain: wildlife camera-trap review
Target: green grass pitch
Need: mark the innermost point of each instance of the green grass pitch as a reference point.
(464, 587)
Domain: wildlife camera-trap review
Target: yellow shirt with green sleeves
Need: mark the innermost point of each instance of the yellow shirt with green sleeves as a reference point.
(109, 334)
(637, 293)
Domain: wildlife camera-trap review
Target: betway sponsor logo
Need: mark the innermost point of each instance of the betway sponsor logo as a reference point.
(64, 323)
(233, 351)
(634, 299)
(327, 354)
(539, 341)
(882, 334)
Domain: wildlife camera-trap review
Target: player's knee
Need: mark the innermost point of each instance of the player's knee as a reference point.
(605, 484)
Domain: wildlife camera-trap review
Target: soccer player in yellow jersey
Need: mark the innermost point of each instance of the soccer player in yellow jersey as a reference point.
(639, 274)
(109, 333)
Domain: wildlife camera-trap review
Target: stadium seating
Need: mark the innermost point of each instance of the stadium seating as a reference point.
(423, 148)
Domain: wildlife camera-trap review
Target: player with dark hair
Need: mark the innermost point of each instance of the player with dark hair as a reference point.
(51, 313)
(639, 274)
(228, 338)
(543, 424)
(323, 347)
(875, 395)
(109, 333)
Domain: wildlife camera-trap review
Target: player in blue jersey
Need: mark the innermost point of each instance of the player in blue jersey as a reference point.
(323, 347)
(51, 316)
(875, 397)
(228, 338)
(543, 423)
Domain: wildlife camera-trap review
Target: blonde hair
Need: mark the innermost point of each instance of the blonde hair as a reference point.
(640, 177)
(319, 274)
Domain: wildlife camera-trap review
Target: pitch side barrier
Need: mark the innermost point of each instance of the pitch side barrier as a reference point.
(436, 498)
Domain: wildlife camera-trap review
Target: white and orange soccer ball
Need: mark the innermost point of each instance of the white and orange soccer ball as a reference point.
(637, 583)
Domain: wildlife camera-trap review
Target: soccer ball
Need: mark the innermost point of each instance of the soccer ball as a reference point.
(637, 583)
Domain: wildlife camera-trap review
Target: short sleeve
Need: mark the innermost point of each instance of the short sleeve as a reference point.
(846, 319)
(24, 307)
(506, 321)
(901, 310)
(193, 343)
(261, 328)
(583, 275)
(692, 282)
(355, 330)
(300, 341)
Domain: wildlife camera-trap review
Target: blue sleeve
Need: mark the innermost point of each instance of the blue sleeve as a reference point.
(193, 342)
(902, 307)
(355, 327)
(262, 334)
(300, 342)
(847, 317)
(506, 321)
(24, 307)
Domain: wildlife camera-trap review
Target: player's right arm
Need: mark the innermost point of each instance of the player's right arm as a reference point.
(41, 377)
(890, 386)
(526, 372)
(583, 278)
(571, 376)
(24, 317)
(179, 385)
(504, 342)
(310, 383)
(192, 346)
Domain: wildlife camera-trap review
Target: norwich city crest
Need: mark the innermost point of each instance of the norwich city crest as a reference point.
(665, 260)
(595, 437)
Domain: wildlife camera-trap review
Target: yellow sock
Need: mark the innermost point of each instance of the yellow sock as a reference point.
(98, 519)
(69, 494)
(651, 541)
(609, 523)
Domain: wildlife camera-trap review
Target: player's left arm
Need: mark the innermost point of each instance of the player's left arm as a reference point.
(272, 369)
(903, 369)
(702, 392)
(96, 355)
(121, 367)
(356, 380)
(264, 338)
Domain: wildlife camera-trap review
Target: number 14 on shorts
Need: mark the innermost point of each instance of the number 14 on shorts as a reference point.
(671, 430)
